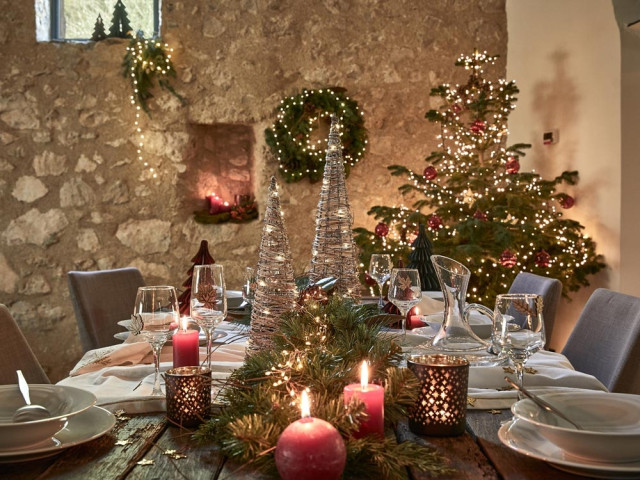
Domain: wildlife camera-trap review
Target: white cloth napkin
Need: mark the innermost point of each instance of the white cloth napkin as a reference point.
(553, 371)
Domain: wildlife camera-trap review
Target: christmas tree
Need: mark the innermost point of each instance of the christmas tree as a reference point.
(203, 257)
(120, 26)
(98, 30)
(479, 207)
(420, 259)
(333, 251)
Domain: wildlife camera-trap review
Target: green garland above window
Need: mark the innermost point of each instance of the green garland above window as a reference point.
(290, 137)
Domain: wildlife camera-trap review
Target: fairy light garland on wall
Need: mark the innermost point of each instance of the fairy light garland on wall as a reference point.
(292, 141)
(144, 61)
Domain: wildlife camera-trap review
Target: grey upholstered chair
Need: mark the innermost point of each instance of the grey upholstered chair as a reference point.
(606, 340)
(549, 288)
(101, 299)
(16, 354)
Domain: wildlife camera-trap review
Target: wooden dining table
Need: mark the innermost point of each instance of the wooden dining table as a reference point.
(149, 447)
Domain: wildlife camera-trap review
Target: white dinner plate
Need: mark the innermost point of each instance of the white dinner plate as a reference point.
(81, 428)
(523, 438)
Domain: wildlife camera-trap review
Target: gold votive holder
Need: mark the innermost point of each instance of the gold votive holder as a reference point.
(188, 395)
(441, 407)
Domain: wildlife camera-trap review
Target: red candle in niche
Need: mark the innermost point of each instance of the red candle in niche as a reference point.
(215, 203)
(185, 346)
(373, 398)
(310, 449)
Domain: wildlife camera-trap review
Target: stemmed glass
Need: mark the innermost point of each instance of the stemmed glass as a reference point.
(405, 291)
(518, 328)
(380, 270)
(249, 285)
(155, 315)
(208, 300)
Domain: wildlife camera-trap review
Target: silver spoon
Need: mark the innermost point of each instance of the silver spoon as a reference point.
(541, 403)
(28, 412)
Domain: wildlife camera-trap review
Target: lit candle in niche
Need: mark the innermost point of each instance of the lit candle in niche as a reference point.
(373, 398)
(214, 203)
(310, 448)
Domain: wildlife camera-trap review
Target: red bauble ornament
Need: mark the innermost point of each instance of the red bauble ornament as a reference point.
(512, 165)
(480, 215)
(508, 259)
(434, 222)
(478, 126)
(567, 201)
(542, 259)
(382, 229)
(368, 280)
(455, 108)
(312, 449)
(430, 172)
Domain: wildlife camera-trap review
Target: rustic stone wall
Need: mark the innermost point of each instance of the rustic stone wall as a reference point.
(74, 196)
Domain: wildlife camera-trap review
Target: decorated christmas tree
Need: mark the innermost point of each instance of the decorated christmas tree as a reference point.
(479, 207)
(420, 259)
(333, 251)
(120, 26)
(276, 291)
(98, 30)
(203, 257)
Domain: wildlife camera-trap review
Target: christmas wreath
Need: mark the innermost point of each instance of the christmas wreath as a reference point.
(290, 137)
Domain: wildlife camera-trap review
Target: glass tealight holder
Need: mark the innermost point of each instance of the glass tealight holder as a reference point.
(188, 395)
(441, 407)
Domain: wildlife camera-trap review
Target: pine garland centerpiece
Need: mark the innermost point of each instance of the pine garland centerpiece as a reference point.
(319, 348)
(290, 137)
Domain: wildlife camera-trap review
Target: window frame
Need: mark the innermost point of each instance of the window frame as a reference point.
(56, 8)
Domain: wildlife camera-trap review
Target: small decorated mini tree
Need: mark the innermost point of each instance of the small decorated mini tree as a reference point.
(120, 26)
(420, 259)
(98, 30)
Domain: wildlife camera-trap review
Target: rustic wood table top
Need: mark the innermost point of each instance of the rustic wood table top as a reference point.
(477, 454)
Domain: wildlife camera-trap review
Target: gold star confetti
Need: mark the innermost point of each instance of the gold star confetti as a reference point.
(122, 443)
(495, 412)
(508, 370)
(530, 370)
(120, 416)
(471, 401)
(145, 462)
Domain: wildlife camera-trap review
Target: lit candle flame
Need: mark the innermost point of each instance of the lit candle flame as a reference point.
(364, 376)
(184, 323)
(304, 405)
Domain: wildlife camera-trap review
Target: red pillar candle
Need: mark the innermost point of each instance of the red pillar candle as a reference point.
(185, 346)
(373, 398)
(310, 449)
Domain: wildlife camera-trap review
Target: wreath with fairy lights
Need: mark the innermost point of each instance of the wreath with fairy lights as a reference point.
(291, 138)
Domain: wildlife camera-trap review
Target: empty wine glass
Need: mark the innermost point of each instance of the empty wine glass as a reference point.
(518, 328)
(380, 270)
(249, 285)
(405, 291)
(155, 315)
(208, 300)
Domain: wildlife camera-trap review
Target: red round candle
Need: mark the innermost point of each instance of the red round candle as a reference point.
(310, 449)
(185, 348)
(373, 398)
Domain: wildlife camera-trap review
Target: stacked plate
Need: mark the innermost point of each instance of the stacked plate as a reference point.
(607, 446)
(74, 419)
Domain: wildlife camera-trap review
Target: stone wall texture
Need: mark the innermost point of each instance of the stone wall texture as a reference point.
(75, 197)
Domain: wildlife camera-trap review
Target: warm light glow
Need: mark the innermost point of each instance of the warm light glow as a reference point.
(304, 405)
(184, 323)
(364, 376)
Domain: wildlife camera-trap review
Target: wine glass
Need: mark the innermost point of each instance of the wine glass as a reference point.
(208, 300)
(380, 270)
(518, 328)
(249, 285)
(405, 291)
(155, 315)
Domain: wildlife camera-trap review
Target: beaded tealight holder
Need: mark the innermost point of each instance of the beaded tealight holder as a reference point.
(188, 395)
(441, 407)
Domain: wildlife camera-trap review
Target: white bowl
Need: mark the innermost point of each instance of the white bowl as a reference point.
(61, 401)
(610, 422)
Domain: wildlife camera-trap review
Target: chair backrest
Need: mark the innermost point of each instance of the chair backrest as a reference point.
(549, 288)
(100, 300)
(606, 340)
(16, 354)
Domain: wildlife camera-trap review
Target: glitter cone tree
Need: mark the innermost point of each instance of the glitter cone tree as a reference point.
(479, 207)
(276, 289)
(334, 251)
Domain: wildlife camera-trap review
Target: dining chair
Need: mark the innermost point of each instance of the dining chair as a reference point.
(606, 340)
(101, 299)
(16, 354)
(549, 288)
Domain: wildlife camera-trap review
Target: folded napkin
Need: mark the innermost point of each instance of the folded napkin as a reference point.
(545, 371)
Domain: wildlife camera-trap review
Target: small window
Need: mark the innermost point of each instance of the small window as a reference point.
(75, 20)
